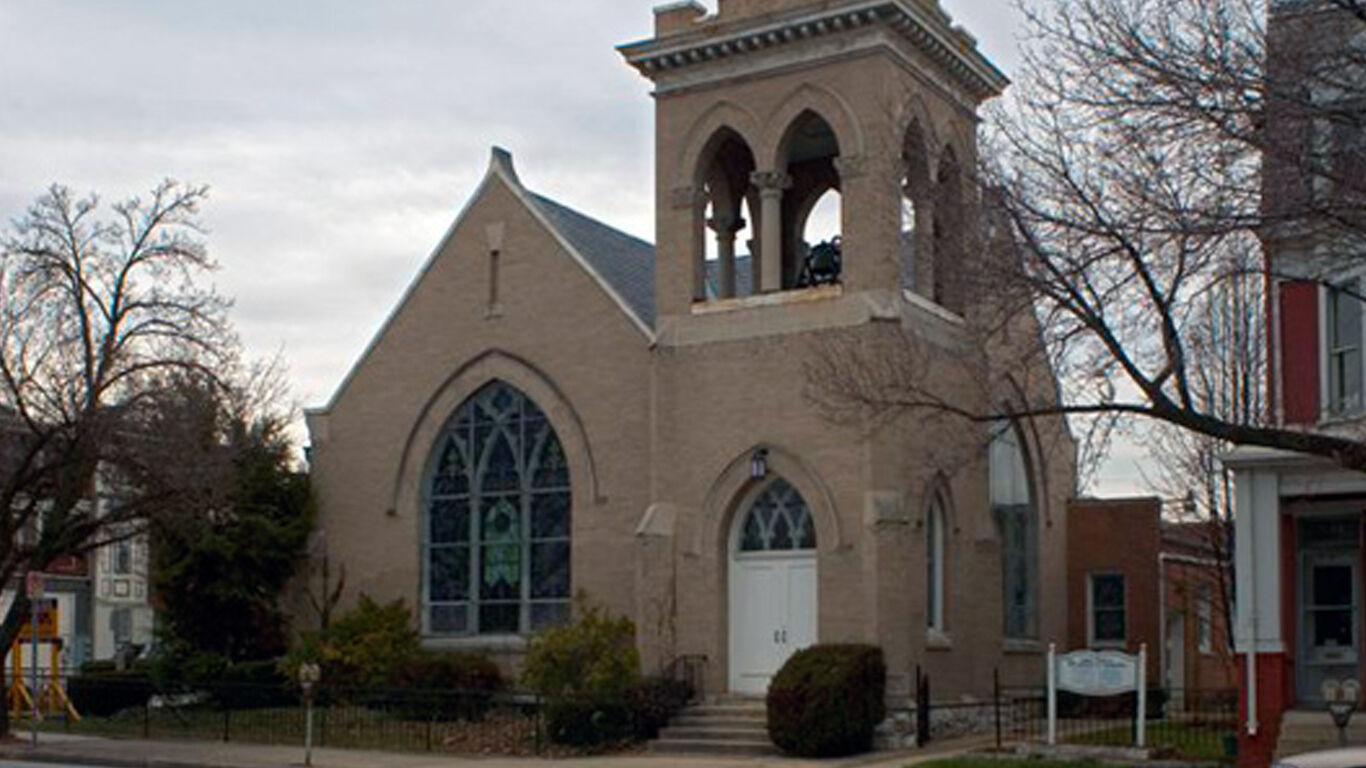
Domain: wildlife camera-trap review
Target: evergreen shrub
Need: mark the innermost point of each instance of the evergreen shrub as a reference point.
(827, 700)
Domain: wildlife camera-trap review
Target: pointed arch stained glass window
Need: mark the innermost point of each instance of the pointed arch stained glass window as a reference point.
(778, 520)
(497, 504)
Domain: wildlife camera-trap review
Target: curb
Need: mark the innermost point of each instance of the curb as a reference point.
(110, 761)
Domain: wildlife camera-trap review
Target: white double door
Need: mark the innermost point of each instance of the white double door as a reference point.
(772, 614)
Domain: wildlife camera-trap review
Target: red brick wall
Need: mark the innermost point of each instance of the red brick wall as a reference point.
(1116, 536)
(1300, 351)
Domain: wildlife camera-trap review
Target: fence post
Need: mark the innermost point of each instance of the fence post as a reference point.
(430, 720)
(227, 722)
(147, 718)
(1052, 695)
(1141, 682)
(996, 701)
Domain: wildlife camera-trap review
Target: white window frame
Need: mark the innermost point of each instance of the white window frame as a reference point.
(1091, 640)
(1328, 412)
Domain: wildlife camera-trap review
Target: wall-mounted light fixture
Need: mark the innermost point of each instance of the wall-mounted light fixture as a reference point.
(758, 464)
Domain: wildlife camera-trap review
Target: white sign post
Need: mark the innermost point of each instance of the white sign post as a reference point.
(1098, 673)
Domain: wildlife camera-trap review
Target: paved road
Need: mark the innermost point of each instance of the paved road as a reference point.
(9, 764)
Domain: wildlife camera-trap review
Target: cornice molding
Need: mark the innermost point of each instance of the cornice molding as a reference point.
(949, 47)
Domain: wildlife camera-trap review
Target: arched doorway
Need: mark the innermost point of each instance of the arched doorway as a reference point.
(772, 584)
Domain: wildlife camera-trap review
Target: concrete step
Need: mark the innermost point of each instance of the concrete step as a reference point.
(726, 710)
(679, 732)
(728, 721)
(711, 747)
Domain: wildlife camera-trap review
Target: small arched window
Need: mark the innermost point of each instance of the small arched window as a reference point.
(935, 524)
(497, 520)
(778, 520)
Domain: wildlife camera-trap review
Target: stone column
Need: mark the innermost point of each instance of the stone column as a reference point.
(771, 185)
(725, 228)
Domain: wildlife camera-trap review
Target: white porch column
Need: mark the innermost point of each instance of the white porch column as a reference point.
(1257, 561)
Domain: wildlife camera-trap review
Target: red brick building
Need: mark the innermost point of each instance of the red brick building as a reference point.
(1133, 579)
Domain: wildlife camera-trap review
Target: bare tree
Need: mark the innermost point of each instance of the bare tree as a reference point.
(1227, 334)
(100, 315)
(1130, 167)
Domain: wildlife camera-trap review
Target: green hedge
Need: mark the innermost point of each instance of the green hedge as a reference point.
(827, 700)
(253, 685)
(101, 690)
(444, 686)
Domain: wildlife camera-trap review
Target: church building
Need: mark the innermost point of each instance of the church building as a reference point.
(556, 407)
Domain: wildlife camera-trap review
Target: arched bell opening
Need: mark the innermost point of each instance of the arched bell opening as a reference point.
(916, 210)
(727, 223)
(949, 235)
(812, 215)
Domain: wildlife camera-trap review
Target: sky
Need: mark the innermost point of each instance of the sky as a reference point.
(340, 139)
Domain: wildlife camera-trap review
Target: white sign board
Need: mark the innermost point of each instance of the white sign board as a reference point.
(1097, 673)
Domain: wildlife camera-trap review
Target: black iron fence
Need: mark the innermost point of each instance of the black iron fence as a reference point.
(1194, 724)
(464, 722)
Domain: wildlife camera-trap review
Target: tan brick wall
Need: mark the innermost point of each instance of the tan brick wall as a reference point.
(559, 338)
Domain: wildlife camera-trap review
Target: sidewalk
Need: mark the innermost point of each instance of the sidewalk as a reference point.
(55, 748)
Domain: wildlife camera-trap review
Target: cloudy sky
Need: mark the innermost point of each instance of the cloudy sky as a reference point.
(340, 138)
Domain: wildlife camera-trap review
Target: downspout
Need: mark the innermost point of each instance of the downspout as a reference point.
(1252, 630)
(1164, 674)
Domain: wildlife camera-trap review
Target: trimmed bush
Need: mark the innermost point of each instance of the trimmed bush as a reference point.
(827, 700)
(445, 686)
(361, 649)
(655, 701)
(254, 685)
(102, 691)
(588, 721)
(587, 672)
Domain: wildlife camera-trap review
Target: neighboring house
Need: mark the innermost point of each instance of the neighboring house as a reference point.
(1134, 579)
(555, 406)
(103, 602)
(1299, 553)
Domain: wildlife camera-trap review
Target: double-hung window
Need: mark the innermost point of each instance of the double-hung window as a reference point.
(1344, 348)
(1107, 609)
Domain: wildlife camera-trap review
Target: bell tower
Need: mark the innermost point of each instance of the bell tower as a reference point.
(809, 150)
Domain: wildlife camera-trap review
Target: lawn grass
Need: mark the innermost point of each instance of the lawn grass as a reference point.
(1191, 741)
(980, 761)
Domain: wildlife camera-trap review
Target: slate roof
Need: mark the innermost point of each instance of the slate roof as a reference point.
(627, 263)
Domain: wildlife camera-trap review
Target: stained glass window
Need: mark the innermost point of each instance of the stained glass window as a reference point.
(497, 508)
(934, 564)
(1012, 502)
(777, 521)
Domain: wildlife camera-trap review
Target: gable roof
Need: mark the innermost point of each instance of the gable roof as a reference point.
(622, 265)
(624, 261)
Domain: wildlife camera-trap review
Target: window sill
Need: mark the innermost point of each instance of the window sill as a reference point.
(795, 296)
(1106, 645)
(938, 640)
(485, 643)
(1021, 645)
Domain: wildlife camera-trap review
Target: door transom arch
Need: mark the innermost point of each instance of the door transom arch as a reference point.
(772, 582)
